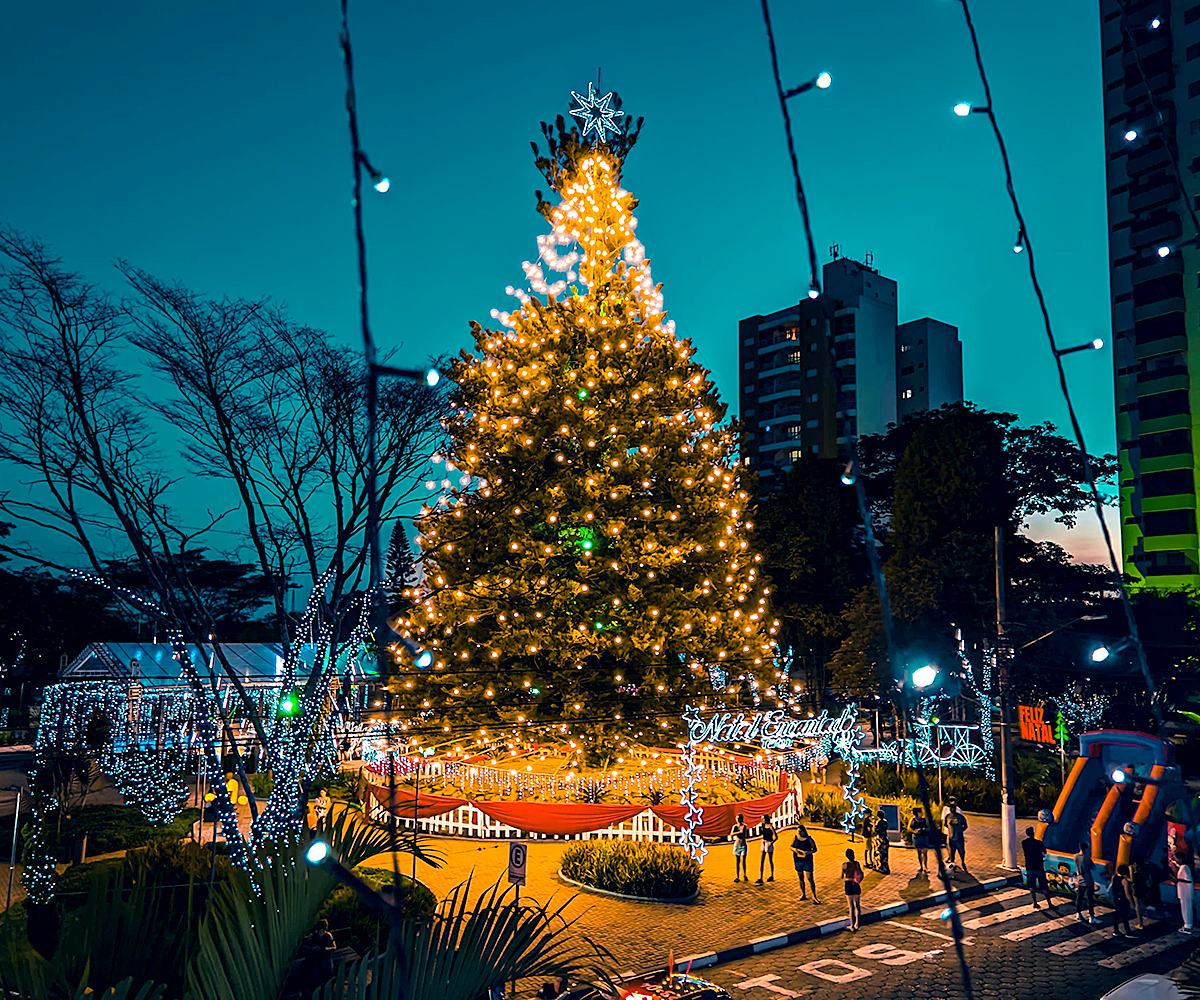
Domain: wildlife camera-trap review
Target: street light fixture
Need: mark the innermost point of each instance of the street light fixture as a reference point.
(925, 676)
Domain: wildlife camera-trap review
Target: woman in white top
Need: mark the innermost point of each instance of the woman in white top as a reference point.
(1184, 886)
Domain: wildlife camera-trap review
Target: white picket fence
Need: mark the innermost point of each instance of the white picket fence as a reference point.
(469, 821)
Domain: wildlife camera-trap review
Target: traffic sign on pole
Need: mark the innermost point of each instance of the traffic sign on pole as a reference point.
(518, 857)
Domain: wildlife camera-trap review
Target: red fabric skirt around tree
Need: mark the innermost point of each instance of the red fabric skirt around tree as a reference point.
(565, 819)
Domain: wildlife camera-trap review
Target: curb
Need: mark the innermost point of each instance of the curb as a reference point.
(620, 895)
(759, 945)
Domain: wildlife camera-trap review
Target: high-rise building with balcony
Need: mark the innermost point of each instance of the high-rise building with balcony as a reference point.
(792, 403)
(1151, 68)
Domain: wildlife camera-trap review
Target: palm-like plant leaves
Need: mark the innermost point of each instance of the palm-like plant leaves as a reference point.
(247, 944)
(103, 943)
(466, 949)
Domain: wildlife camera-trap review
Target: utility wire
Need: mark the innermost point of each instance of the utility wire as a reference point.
(1089, 473)
(853, 477)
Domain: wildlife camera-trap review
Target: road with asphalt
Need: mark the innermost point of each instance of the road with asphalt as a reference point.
(1013, 952)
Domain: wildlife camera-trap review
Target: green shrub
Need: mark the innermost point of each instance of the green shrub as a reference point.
(356, 926)
(262, 785)
(656, 871)
(120, 828)
(343, 785)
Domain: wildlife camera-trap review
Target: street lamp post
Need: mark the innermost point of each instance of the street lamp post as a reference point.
(1008, 801)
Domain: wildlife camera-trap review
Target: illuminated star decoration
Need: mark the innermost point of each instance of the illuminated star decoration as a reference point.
(596, 115)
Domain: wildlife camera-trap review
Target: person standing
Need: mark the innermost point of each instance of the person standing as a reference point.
(741, 837)
(321, 807)
(1120, 895)
(852, 875)
(769, 836)
(868, 833)
(803, 849)
(1185, 885)
(882, 843)
(1035, 867)
(1085, 883)
(1137, 892)
(918, 826)
(954, 828)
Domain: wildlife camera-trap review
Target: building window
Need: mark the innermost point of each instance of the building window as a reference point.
(748, 390)
(746, 460)
(813, 397)
(748, 342)
(1164, 404)
(1191, 14)
(1169, 522)
(749, 413)
(906, 394)
(907, 370)
(812, 346)
(1176, 482)
(810, 424)
(811, 373)
(749, 366)
(905, 348)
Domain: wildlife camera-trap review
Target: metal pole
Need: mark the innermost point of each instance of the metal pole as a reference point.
(518, 904)
(1008, 803)
(12, 860)
(938, 730)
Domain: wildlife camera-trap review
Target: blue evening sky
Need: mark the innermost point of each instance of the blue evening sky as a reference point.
(208, 142)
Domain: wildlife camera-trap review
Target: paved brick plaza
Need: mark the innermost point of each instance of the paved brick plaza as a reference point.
(640, 934)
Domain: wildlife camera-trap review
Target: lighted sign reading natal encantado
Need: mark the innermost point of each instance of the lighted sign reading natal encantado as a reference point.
(772, 729)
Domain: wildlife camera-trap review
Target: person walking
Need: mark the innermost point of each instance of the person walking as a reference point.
(1185, 885)
(803, 849)
(1035, 867)
(741, 837)
(882, 844)
(852, 875)
(954, 828)
(868, 833)
(769, 836)
(1085, 883)
(918, 826)
(1120, 895)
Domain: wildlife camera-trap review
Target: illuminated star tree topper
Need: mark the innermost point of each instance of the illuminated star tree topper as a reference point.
(597, 114)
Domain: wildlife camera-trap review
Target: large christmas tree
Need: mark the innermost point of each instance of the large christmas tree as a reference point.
(592, 573)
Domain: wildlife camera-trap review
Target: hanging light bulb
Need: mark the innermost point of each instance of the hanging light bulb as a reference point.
(1164, 251)
(1019, 242)
(962, 109)
(824, 80)
(1131, 134)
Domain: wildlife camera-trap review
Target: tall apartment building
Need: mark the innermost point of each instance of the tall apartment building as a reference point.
(790, 399)
(1155, 281)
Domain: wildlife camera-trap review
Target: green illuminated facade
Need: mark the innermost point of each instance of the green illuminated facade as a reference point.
(1155, 280)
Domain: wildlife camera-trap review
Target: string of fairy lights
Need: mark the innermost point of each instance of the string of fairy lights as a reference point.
(1024, 244)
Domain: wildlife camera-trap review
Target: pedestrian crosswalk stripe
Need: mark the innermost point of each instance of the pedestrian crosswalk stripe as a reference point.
(1081, 942)
(1138, 952)
(935, 913)
(1044, 927)
(1001, 917)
